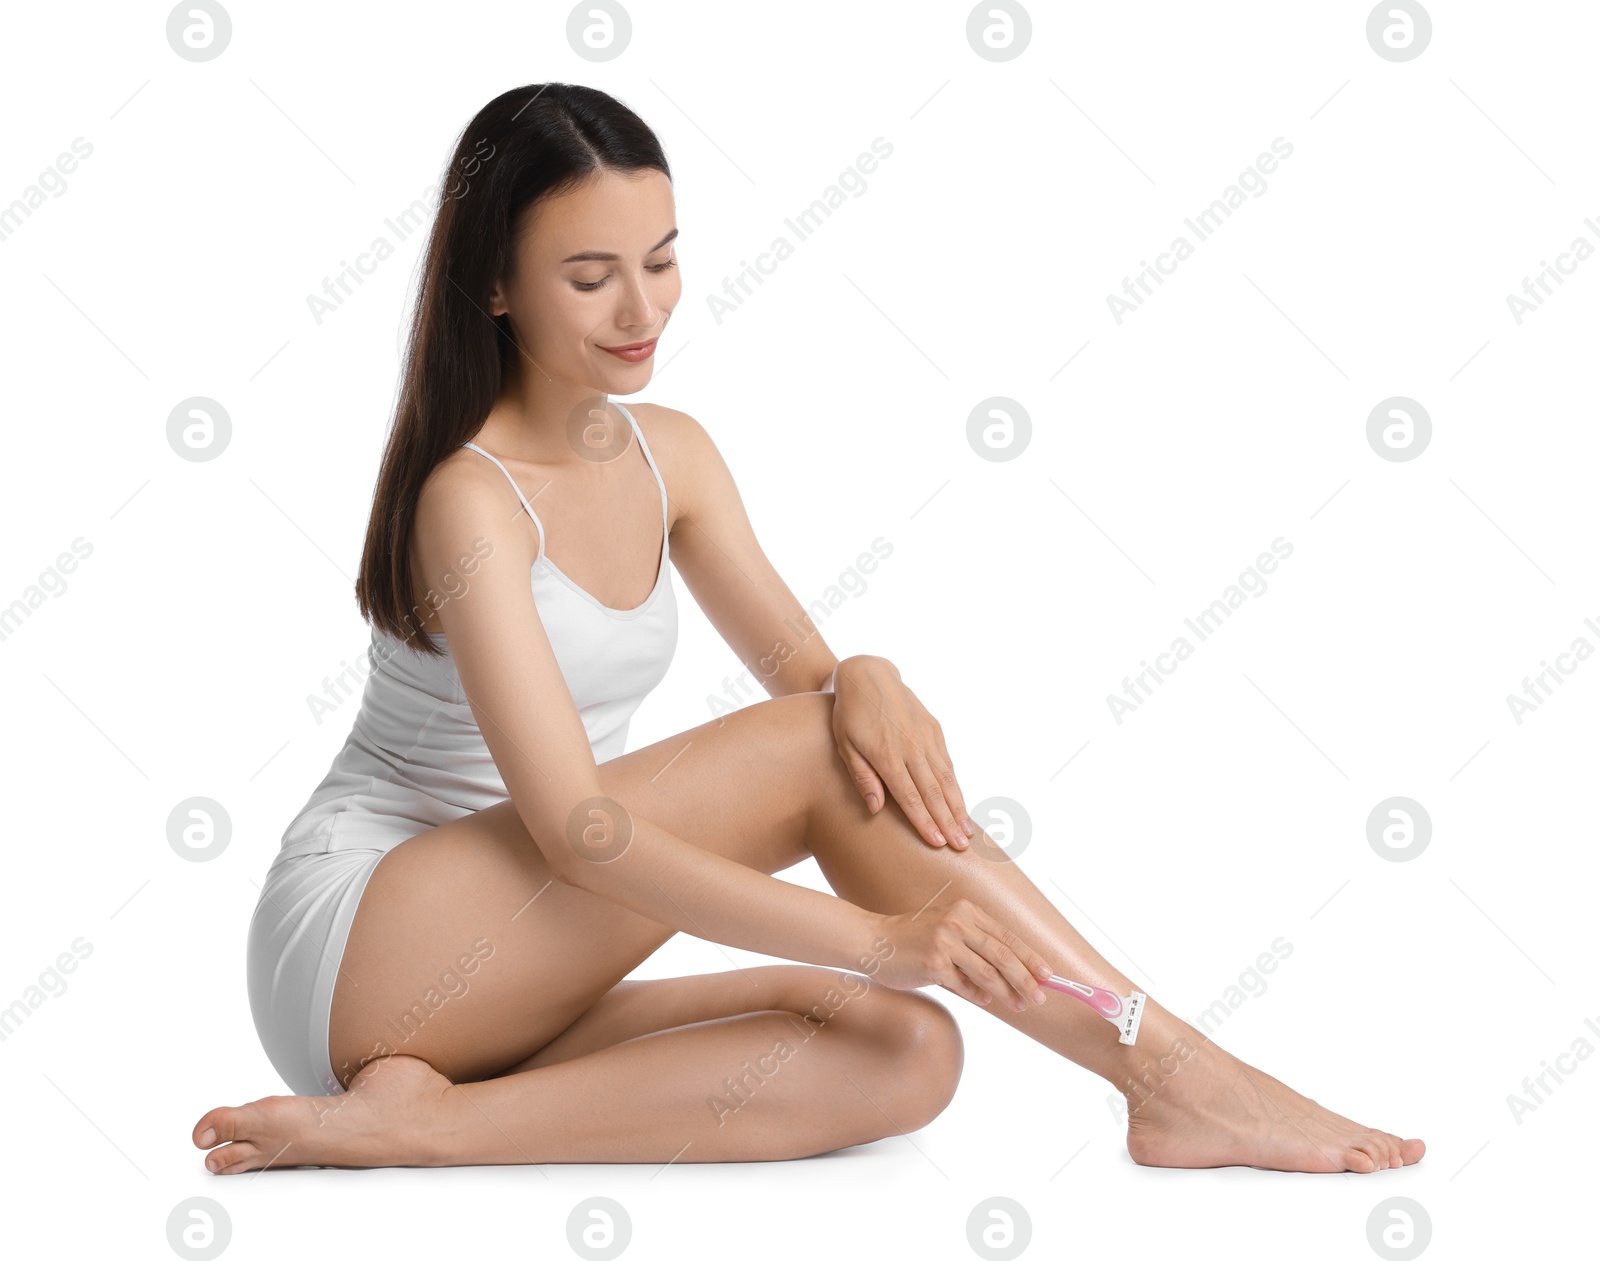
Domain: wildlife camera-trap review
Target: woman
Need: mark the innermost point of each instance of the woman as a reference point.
(441, 943)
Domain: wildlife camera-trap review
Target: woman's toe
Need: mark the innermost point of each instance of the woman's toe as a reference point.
(233, 1157)
(220, 1125)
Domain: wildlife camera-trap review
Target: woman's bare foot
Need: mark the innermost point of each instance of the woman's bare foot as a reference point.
(1192, 1105)
(385, 1118)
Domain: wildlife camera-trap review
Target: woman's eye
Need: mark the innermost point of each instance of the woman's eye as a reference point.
(595, 284)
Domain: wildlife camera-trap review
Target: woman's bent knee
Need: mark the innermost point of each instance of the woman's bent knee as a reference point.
(934, 1044)
(923, 1052)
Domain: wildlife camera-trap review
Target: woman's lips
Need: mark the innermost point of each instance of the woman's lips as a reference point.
(633, 354)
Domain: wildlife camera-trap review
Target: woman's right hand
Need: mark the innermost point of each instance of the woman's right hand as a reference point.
(959, 946)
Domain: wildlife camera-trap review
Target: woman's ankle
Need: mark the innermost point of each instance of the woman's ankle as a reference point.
(1164, 1062)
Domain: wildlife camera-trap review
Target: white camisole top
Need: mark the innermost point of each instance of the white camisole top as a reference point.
(415, 758)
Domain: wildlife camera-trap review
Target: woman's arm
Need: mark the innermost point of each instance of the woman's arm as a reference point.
(716, 552)
(531, 725)
(885, 735)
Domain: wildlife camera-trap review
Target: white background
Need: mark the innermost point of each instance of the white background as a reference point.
(1229, 410)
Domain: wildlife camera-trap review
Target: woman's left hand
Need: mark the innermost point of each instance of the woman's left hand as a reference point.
(884, 735)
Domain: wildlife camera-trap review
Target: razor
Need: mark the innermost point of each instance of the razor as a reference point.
(1122, 1012)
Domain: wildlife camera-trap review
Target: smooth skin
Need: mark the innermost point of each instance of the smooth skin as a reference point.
(544, 1052)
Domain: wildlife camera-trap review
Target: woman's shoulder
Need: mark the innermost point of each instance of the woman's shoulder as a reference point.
(458, 478)
(465, 494)
(656, 418)
(698, 478)
(675, 437)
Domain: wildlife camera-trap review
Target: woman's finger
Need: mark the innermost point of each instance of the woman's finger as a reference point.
(985, 974)
(952, 790)
(862, 775)
(1018, 961)
(932, 785)
(958, 984)
(905, 791)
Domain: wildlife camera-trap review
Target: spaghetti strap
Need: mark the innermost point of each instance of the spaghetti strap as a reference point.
(529, 507)
(651, 460)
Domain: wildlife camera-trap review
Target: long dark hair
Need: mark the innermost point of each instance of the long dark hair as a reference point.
(525, 145)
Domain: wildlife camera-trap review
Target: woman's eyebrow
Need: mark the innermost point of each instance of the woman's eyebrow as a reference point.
(601, 256)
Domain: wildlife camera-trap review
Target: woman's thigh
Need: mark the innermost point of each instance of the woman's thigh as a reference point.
(466, 952)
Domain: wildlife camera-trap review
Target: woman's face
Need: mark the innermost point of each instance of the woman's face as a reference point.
(596, 267)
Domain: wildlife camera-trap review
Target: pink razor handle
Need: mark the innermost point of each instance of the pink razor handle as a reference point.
(1122, 1012)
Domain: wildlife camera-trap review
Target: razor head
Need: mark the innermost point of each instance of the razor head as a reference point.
(1128, 1022)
